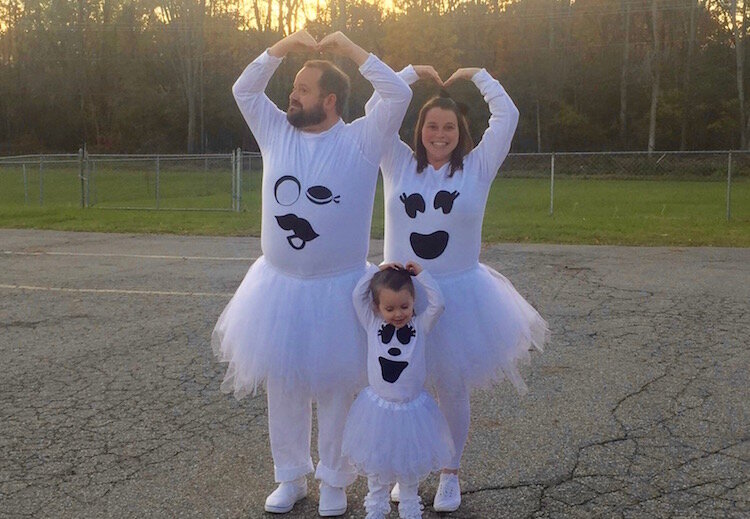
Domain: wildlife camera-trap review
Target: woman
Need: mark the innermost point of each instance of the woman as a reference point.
(435, 197)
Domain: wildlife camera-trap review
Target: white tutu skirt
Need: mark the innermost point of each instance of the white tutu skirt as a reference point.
(487, 329)
(395, 441)
(300, 332)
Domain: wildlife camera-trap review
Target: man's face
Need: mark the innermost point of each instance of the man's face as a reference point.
(306, 100)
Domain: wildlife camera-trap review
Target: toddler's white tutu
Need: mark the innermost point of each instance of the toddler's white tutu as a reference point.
(487, 329)
(396, 441)
(300, 331)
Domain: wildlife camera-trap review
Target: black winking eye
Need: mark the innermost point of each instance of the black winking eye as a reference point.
(444, 200)
(412, 204)
(321, 195)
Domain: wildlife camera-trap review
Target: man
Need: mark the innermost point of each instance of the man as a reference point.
(291, 323)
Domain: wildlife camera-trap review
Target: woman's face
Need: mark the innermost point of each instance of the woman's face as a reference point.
(439, 135)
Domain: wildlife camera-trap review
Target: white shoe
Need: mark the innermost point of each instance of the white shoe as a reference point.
(448, 495)
(282, 500)
(395, 493)
(332, 501)
(375, 515)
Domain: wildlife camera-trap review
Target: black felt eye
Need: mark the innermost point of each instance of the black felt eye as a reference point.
(286, 190)
(386, 333)
(321, 195)
(444, 200)
(412, 204)
(405, 334)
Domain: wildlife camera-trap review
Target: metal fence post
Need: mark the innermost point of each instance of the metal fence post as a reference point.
(41, 180)
(81, 177)
(729, 187)
(552, 185)
(158, 168)
(25, 186)
(239, 179)
(234, 181)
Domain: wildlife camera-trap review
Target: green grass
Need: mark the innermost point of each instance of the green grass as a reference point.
(586, 211)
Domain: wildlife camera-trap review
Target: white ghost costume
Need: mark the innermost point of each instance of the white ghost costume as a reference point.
(395, 431)
(290, 323)
(436, 219)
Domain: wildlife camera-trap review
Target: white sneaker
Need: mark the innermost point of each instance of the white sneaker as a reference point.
(282, 500)
(332, 501)
(448, 495)
(395, 493)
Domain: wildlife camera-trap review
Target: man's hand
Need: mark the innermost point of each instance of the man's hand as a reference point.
(300, 41)
(462, 73)
(337, 43)
(428, 72)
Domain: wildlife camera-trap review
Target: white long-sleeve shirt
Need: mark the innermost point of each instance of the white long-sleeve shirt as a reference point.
(435, 218)
(318, 188)
(396, 368)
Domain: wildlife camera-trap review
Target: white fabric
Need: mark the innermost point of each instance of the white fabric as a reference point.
(488, 327)
(291, 317)
(395, 430)
(342, 162)
(377, 503)
(290, 445)
(455, 405)
(390, 356)
(396, 441)
(291, 323)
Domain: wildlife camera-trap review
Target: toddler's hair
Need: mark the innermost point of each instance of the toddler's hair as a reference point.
(395, 279)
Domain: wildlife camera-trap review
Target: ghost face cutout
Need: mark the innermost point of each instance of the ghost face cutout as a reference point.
(391, 369)
(429, 246)
(287, 191)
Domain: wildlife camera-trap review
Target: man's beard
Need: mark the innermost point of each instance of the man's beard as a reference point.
(302, 118)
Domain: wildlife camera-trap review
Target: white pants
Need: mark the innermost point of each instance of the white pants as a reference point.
(453, 401)
(290, 426)
(379, 495)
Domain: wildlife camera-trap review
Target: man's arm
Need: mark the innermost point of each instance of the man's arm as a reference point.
(262, 116)
(377, 127)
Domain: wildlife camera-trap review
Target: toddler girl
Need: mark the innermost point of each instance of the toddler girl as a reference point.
(395, 432)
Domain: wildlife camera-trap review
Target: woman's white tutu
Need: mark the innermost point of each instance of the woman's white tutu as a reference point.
(302, 332)
(487, 329)
(396, 441)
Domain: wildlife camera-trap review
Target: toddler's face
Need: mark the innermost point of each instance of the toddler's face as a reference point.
(396, 308)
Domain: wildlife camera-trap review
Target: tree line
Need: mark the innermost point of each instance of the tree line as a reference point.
(156, 75)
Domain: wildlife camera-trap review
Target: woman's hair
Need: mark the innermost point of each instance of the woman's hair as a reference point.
(394, 279)
(465, 142)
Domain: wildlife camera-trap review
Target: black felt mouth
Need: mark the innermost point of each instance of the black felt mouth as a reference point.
(429, 246)
(301, 229)
(391, 369)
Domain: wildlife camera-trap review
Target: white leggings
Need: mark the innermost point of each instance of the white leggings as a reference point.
(454, 403)
(378, 499)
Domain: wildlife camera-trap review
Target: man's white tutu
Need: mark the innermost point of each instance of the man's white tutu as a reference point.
(487, 329)
(301, 331)
(396, 441)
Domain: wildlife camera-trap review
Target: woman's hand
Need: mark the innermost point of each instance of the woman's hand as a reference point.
(428, 72)
(462, 73)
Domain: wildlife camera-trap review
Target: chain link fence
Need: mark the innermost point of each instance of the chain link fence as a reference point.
(231, 181)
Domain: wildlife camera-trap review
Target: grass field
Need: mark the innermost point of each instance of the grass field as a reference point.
(586, 211)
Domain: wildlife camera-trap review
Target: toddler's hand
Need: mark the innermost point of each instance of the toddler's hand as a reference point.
(413, 267)
(393, 265)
